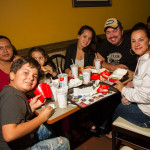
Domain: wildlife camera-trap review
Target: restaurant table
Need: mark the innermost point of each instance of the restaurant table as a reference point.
(60, 113)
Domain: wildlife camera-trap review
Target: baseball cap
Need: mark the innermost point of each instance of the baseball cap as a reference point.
(112, 23)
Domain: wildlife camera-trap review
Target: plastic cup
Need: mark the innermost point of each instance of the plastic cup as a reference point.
(44, 90)
(62, 97)
(98, 63)
(86, 75)
(54, 86)
(74, 70)
(63, 79)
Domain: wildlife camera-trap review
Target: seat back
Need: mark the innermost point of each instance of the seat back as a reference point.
(59, 61)
(124, 131)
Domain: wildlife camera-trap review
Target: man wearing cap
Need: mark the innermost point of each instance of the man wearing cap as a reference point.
(116, 50)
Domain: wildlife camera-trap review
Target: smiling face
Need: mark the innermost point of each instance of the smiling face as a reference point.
(114, 36)
(6, 51)
(25, 78)
(39, 57)
(85, 38)
(139, 42)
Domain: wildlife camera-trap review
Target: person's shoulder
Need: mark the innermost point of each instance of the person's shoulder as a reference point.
(72, 46)
(10, 91)
(127, 36)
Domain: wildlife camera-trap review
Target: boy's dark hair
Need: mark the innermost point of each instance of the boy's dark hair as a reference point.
(141, 26)
(37, 49)
(18, 63)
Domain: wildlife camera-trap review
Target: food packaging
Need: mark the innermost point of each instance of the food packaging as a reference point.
(105, 74)
(103, 88)
(119, 73)
(95, 76)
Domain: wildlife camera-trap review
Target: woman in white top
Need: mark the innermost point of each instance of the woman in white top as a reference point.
(135, 105)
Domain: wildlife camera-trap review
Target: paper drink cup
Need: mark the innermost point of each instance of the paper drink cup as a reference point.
(44, 90)
(74, 70)
(86, 75)
(62, 97)
(53, 87)
(98, 63)
(63, 79)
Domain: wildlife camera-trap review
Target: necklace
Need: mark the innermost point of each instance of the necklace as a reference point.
(80, 54)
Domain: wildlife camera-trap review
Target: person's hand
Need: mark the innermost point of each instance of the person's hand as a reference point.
(68, 71)
(49, 69)
(45, 113)
(119, 85)
(129, 85)
(124, 101)
(36, 103)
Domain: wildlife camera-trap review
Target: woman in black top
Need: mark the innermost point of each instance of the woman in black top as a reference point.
(83, 52)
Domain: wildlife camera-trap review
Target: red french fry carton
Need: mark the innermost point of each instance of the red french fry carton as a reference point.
(95, 76)
(103, 88)
(111, 80)
(105, 74)
(69, 78)
(44, 90)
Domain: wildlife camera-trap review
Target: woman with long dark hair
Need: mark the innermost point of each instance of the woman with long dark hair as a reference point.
(83, 52)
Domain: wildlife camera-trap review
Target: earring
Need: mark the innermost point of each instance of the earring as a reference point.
(132, 52)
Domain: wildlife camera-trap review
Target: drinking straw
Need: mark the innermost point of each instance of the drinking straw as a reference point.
(51, 80)
(60, 70)
(95, 55)
(72, 61)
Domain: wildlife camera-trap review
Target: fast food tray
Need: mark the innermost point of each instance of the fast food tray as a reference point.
(86, 101)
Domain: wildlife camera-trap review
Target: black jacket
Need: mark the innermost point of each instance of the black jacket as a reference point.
(71, 54)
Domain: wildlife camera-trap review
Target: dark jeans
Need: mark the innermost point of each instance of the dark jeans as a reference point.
(133, 114)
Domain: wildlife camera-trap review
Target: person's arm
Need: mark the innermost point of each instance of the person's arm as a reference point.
(139, 94)
(110, 66)
(12, 132)
(70, 52)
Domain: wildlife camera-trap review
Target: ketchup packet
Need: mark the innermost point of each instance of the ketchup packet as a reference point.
(95, 76)
(44, 90)
(105, 74)
(103, 88)
(82, 104)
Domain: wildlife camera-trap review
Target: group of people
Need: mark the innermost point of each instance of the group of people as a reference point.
(19, 130)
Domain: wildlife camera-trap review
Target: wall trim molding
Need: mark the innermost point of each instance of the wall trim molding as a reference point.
(59, 46)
